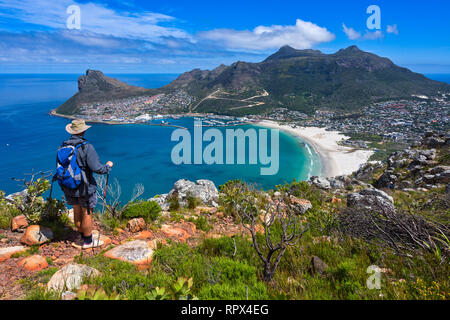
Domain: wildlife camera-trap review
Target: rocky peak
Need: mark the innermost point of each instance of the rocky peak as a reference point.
(287, 52)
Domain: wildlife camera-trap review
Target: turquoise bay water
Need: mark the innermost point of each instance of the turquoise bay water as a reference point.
(29, 138)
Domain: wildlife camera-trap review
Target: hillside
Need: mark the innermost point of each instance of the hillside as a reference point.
(303, 80)
(307, 80)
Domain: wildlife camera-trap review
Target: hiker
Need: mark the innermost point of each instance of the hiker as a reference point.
(77, 181)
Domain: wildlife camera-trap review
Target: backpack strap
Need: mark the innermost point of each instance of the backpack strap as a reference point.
(83, 174)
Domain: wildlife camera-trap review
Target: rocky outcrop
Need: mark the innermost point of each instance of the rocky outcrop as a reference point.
(371, 199)
(70, 277)
(387, 179)
(435, 140)
(161, 200)
(366, 171)
(418, 166)
(205, 190)
(320, 182)
(22, 194)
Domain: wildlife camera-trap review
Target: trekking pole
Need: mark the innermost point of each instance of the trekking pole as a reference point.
(49, 199)
(103, 209)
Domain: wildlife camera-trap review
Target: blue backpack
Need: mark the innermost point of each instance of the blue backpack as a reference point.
(68, 173)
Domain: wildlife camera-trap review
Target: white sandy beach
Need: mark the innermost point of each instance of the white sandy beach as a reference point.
(336, 159)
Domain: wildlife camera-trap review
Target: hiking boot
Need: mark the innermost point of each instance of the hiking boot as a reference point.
(78, 242)
(94, 244)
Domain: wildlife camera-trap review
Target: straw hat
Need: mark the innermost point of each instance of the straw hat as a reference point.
(77, 126)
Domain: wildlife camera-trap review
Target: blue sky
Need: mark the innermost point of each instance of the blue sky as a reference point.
(175, 36)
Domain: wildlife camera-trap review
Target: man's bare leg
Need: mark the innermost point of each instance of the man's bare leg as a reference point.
(77, 215)
(86, 222)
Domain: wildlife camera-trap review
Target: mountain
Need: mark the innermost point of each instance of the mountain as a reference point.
(303, 80)
(307, 80)
(96, 87)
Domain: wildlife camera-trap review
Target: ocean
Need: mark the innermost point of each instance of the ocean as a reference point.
(29, 138)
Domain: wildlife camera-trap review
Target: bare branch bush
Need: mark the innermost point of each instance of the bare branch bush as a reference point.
(283, 226)
(395, 229)
(111, 202)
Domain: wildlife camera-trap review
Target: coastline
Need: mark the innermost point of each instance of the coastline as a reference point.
(336, 160)
(54, 113)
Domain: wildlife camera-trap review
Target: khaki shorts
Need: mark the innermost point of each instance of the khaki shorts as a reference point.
(85, 202)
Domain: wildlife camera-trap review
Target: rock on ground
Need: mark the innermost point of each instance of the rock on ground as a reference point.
(136, 225)
(318, 266)
(137, 252)
(6, 253)
(19, 222)
(371, 199)
(70, 277)
(36, 235)
(302, 204)
(175, 233)
(143, 235)
(33, 263)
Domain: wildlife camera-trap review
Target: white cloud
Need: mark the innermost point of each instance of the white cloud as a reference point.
(392, 29)
(95, 18)
(373, 35)
(302, 35)
(351, 33)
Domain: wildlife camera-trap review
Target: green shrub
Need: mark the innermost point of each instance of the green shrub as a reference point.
(235, 291)
(7, 213)
(174, 203)
(40, 293)
(181, 261)
(230, 279)
(149, 210)
(192, 202)
(202, 224)
(346, 283)
(238, 247)
(229, 270)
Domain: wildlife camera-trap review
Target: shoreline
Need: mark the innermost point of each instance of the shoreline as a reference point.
(336, 160)
(55, 114)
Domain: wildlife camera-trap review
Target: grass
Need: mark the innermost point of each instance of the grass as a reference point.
(34, 249)
(227, 268)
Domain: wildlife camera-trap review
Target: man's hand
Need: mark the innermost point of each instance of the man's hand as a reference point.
(110, 164)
